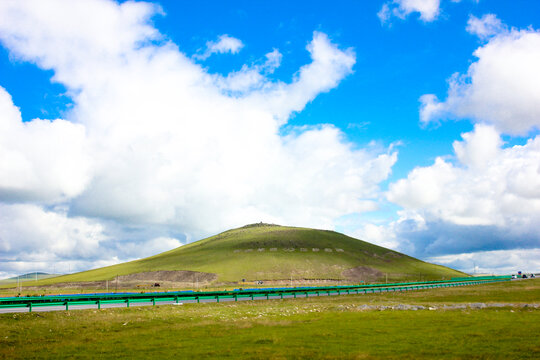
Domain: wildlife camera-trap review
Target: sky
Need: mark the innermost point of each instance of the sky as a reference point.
(131, 128)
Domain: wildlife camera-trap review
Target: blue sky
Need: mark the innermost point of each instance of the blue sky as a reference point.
(150, 141)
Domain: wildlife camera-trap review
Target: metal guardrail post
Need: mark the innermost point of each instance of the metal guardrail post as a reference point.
(217, 298)
(127, 303)
(154, 301)
(67, 305)
(198, 299)
(99, 304)
(29, 307)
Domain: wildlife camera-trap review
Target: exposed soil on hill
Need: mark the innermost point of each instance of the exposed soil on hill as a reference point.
(182, 276)
(362, 273)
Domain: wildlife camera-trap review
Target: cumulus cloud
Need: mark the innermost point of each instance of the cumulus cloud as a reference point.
(486, 200)
(224, 44)
(40, 160)
(483, 203)
(379, 234)
(480, 207)
(501, 88)
(33, 238)
(485, 27)
(494, 262)
(158, 147)
(250, 78)
(428, 10)
(59, 236)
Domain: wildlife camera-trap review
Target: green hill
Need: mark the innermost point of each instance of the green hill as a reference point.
(272, 252)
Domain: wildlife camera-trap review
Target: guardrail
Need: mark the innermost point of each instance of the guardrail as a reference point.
(154, 298)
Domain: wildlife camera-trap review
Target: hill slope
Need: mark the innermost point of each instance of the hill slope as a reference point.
(35, 276)
(272, 252)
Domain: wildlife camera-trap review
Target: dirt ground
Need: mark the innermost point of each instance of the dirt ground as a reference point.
(362, 273)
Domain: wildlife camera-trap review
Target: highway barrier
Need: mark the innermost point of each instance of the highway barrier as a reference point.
(65, 301)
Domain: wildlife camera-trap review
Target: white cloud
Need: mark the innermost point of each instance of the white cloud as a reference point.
(224, 44)
(250, 78)
(494, 262)
(480, 207)
(488, 200)
(329, 65)
(479, 148)
(483, 188)
(484, 207)
(40, 160)
(89, 32)
(485, 27)
(34, 238)
(501, 88)
(31, 233)
(381, 235)
(428, 10)
(157, 147)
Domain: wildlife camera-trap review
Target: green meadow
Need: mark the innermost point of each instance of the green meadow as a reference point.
(315, 328)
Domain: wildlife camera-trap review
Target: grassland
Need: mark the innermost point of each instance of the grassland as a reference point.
(234, 255)
(332, 328)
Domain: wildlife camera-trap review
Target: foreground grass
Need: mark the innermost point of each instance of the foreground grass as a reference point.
(323, 327)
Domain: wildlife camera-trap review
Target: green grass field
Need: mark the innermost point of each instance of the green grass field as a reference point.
(234, 255)
(331, 328)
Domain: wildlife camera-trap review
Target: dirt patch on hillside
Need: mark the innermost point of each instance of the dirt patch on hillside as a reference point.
(181, 276)
(362, 273)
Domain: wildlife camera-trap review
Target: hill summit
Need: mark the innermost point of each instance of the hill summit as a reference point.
(276, 253)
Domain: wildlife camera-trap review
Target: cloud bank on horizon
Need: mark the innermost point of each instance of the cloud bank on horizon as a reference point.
(158, 150)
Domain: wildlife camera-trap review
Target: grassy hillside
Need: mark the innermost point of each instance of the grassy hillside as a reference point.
(271, 252)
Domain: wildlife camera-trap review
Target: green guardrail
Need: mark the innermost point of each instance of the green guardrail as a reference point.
(98, 300)
(183, 294)
(84, 297)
